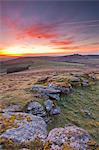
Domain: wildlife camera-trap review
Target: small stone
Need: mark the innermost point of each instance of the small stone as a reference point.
(48, 105)
(87, 114)
(85, 83)
(55, 111)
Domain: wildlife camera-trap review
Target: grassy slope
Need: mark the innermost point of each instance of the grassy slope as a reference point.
(72, 105)
(14, 90)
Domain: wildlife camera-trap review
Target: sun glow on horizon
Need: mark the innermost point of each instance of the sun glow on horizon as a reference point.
(44, 50)
(21, 51)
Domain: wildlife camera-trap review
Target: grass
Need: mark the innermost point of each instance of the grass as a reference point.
(52, 64)
(15, 89)
(39, 64)
(72, 110)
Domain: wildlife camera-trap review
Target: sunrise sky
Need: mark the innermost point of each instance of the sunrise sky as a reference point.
(29, 28)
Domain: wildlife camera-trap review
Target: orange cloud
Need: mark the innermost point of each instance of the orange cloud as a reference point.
(89, 48)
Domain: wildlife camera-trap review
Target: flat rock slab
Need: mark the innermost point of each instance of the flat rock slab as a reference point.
(63, 89)
(47, 91)
(26, 127)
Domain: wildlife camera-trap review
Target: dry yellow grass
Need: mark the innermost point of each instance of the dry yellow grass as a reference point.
(15, 88)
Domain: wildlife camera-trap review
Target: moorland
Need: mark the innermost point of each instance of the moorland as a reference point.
(78, 105)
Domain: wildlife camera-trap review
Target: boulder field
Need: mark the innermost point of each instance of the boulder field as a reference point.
(28, 129)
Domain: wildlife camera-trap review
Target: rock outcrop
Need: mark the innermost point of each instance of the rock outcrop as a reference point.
(64, 88)
(76, 138)
(46, 112)
(47, 91)
(25, 128)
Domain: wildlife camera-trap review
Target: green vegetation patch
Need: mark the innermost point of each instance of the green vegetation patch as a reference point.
(80, 108)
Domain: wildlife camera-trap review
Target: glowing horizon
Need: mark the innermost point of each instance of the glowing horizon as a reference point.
(47, 50)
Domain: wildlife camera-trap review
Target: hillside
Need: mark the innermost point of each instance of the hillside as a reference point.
(90, 60)
(75, 109)
(71, 60)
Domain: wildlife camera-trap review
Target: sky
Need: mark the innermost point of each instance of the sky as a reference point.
(30, 28)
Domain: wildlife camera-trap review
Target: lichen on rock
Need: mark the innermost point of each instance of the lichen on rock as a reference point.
(76, 137)
(29, 127)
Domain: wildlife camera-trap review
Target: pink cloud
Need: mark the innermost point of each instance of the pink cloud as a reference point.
(37, 31)
(62, 42)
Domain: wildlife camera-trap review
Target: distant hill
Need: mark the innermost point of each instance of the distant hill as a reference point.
(88, 60)
(5, 58)
(78, 56)
(49, 58)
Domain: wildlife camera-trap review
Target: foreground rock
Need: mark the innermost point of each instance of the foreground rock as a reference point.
(23, 128)
(74, 137)
(47, 91)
